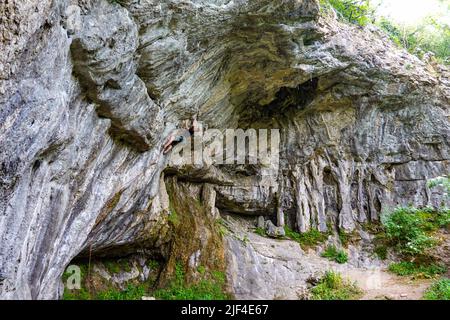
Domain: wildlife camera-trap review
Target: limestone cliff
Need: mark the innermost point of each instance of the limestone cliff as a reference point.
(90, 90)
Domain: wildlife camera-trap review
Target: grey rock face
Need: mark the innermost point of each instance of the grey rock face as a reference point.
(89, 91)
(104, 57)
(273, 231)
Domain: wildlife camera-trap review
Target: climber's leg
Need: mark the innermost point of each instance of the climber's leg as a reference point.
(173, 143)
(167, 149)
(168, 144)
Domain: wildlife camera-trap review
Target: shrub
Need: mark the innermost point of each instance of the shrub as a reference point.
(440, 290)
(429, 35)
(406, 228)
(354, 11)
(333, 287)
(417, 270)
(332, 253)
(307, 239)
(381, 251)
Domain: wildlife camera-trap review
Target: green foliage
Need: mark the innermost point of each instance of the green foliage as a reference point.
(332, 253)
(440, 290)
(174, 219)
(131, 292)
(153, 264)
(410, 229)
(428, 36)
(443, 182)
(381, 251)
(222, 227)
(344, 238)
(417, 270)
(201, 269)
(307, 239)
(347, 238)
(116, 266)
(353, 11)
(333, 287)
(81, 294)
(260, 231)
(112, 267)
(209, 288)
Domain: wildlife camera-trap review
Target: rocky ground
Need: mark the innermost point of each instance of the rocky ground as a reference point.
(265, 268)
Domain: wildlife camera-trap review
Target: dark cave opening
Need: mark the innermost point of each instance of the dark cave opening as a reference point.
(287, 100)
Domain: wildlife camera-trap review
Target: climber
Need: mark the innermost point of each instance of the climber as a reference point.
(176, 139)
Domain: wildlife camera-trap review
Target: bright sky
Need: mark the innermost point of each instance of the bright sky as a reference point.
(411, 12)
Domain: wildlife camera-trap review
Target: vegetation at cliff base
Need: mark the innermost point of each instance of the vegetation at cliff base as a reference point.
(306, 239)
(411, 233)
(440, 290)
(260, 231)
(209, 288)
(332, 286)
(210, 285)
(334, 254)
(417, 270)
(381, 251)
(410, 230)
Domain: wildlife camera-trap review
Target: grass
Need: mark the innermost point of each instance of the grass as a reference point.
(260, 231)
(332, 253)
(440, 290)
(173, 218)
(333, 287)
(201, 270)
(417, 270)
(209, 288)
(222, 227)
(132, 292)
(307, 239)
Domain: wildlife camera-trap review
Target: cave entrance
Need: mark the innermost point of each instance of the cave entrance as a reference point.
(288, 101)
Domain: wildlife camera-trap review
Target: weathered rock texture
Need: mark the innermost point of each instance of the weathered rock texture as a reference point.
(89, 91)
